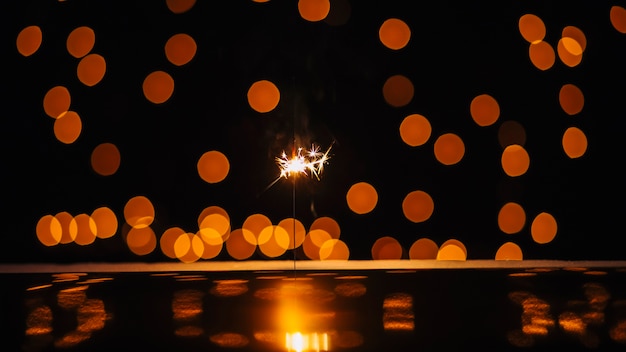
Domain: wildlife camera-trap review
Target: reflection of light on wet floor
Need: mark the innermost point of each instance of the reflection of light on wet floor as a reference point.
(299, 342)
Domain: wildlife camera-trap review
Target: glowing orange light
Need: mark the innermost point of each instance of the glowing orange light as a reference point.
(298, 342)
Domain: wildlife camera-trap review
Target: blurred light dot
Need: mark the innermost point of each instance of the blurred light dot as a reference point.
(80, 41)
(398, 91)
(574, 142)
(386, 248)
(423, 248)
(571, 99)
(238, 247)
(313, 10)
(168, 240)
(180, 49)
(511, 132)
(139, 212)
(273, 241)
(263, 96)
(67, 127)
(577, 35)
(209, 250)
(415, 130)
(85, 229)
(449, 149)
(394, 33)
(91, 69)
(253, 225)
(485, 110)
(570, 51)
(362, 198)
(180, 6)
(532, 28)
(64, 219)
(29, 40)
(106, 222)
(141, 241)
(312, 243)
(105, 159)
(617, 16)
(213, 166)
(48, 230)
(452, 250)
(214, 227)
(418, 206)
(511, 218)
(509, 251)
(543, 228)
(515, 160)
(295, 231)
(56, 101)
(328, 224)
(188, 248)
(542, 55)
(334, 250)
(158, 87)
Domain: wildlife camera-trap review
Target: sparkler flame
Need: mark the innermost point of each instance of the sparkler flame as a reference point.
(306, 162)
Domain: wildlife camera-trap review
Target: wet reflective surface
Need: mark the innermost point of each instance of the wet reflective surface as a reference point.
(441, 309)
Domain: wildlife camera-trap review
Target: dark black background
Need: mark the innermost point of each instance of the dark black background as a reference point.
(330, 77)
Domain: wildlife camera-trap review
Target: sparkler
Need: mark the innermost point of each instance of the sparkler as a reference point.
(303, 162)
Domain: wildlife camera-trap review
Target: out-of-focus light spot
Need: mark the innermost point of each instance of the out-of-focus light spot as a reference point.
(571, 99)
(362, 198)
(158, 87)
(141, 241)
(84, 228)
(328, 224)
(260, 1)
(263, 96)
(574, 142)
(273, 241)
(213, 166)
(106, 222)
(415, 130)
(180, 6)
(295, 231)
(418, 206)
(105, 159)
(542, 55)
(253, 225)
(509, 251)
(238, 247)
(570, 51)
(543, 228)
(180, 49)
(139, 212)
(515, 160)
(532, 28)
(319, 236)
(67, 127)
(229, 340)
(91, 69)
(386, 248)
(312, 243)
(617, 16)
(485, 110)
(511, 132)
(167, 242)
(48, 230)
(80, 41)
(29, 40)
(577, 34)
(423, 248)
(313, 10)
(64, 218)
(208, 250)
(511, 218)
(56, 101)
(398, 90)
(214, 228)
(339, 13)
(394, 33)
(334, 250)
(452, 250)
(449, 149)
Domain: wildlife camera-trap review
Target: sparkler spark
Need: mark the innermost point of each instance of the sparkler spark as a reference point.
(306, 162)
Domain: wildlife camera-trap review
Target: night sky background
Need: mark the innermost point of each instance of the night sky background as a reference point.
(330, 74)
